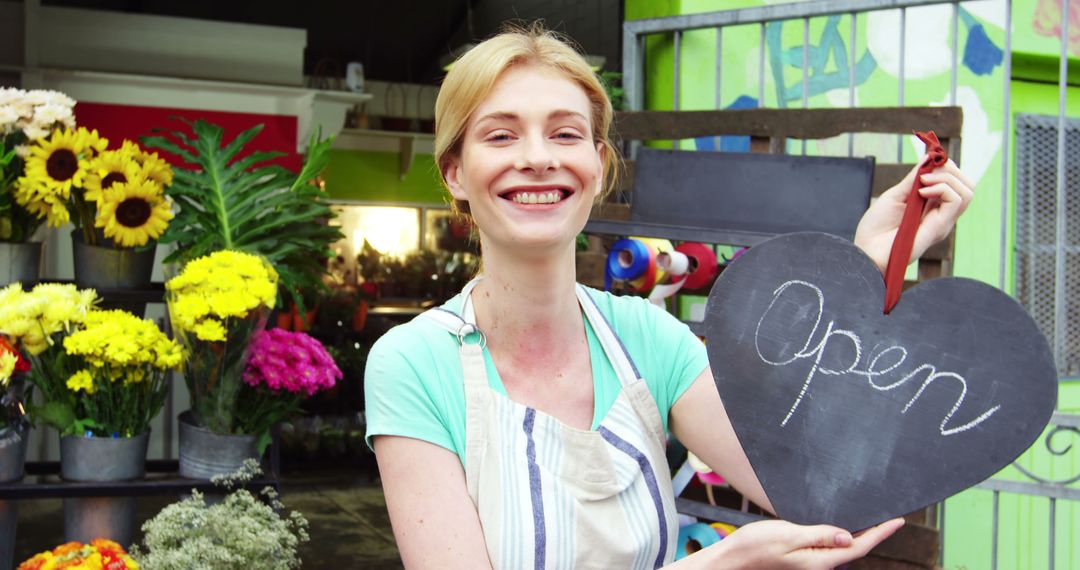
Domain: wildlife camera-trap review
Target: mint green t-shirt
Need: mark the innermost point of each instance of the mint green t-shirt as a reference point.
(414, 386)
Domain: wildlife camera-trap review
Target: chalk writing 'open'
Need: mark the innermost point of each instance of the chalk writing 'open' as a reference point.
(889, 359)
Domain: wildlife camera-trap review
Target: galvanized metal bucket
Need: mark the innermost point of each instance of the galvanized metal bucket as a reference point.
(102, 459)
(205, 454)
(108, 268)
(12, 459)
(20, 262)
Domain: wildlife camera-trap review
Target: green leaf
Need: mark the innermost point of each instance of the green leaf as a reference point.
(263, 442)
(56, 414)
(231, 200)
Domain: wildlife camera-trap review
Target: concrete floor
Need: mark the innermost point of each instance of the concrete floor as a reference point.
(349, 526)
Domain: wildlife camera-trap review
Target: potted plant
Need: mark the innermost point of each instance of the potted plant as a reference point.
(241, 531)
(102, 378)
(284, 369)
(217, 304)
(25, 118)
(13, 435)
(231, 201)
(115, 199)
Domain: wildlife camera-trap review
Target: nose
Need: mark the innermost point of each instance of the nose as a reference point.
(536, 156)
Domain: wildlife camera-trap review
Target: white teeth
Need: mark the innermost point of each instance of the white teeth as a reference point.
(538, 197)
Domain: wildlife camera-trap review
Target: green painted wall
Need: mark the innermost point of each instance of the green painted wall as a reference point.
(356, 175)
(1024, 522)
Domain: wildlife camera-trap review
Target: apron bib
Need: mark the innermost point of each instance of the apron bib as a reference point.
(553, 496)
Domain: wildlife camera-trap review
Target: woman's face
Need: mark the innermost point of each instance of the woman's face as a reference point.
(528, 165)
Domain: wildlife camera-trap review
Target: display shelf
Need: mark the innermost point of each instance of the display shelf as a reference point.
(161, 479)
(680, 233)
(405, 143)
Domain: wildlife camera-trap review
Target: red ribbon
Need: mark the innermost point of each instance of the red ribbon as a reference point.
(900, 255)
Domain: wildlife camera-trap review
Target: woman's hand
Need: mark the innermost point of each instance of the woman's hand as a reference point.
(948, 192)
(782, 545)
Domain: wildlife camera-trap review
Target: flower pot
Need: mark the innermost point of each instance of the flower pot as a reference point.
(102, 459)
(12, 459)
(205, 454)
(20, 262)
(105, 268)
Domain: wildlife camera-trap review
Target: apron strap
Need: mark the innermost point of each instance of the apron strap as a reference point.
(471, 340)
(613, 347)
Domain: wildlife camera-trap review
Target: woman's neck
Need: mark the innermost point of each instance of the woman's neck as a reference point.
(527, 302)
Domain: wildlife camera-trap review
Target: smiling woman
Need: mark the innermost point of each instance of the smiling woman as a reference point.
(540, 406)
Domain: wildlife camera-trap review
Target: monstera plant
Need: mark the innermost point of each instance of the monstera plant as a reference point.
(235, 202)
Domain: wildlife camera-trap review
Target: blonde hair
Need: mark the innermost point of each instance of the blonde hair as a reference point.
(473, 76)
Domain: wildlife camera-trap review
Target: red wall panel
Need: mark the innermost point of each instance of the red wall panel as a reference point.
(118, 122)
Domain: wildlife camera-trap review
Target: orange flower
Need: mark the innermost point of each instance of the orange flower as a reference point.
(107, 547)
(36, 562)
(68, 548)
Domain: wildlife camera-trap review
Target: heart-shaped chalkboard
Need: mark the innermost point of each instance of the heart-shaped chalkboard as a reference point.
(850, 416)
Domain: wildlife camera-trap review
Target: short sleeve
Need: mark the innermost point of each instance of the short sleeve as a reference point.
(398, 395)
(680, 357)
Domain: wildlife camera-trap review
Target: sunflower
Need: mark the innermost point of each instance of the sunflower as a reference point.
(154, 167)
(133, 213)
(109, 168)
(59, 161)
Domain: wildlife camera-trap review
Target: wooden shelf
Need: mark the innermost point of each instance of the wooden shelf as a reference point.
(405, 143)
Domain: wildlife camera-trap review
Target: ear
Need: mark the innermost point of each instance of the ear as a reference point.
(601, 152)
(451, 171)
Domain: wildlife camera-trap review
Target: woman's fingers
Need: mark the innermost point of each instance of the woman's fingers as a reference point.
(819, 536)
(866, 540)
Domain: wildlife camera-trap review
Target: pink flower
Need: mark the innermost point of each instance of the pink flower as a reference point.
(290, 361)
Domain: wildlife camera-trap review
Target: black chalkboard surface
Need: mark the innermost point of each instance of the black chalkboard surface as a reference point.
(769, 193)
(850, 416)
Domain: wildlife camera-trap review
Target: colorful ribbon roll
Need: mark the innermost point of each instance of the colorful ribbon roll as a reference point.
(702, 262)
(701, 533)
(633, 260)
(675, 264)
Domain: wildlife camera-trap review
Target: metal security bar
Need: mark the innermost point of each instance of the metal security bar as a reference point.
(636, 31)
(1059, 488)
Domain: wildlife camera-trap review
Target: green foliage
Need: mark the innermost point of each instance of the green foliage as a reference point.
(243, 204)
(16, 224)
(611, 81)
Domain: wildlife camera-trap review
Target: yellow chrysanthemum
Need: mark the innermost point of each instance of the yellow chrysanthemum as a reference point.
(59, 161)
(110, 168)
(127, 344)
(210, 331)
(81, 381)
(30, 319)
(133, 213)
(217, 287)
(7, 367)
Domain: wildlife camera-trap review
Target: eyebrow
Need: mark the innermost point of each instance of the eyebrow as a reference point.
(510, 116)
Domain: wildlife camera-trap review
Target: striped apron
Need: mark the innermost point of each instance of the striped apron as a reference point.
(552, 496)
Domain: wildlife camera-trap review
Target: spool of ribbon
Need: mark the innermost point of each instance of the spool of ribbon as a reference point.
(702, 536)
(658, 246)
(675, 264)
(630, 260)
(702, 265)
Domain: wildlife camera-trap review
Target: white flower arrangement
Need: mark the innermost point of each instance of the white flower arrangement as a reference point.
(241, 531)
(35, 113)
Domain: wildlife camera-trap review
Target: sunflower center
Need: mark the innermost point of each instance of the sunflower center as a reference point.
(133, 212)
(62, 164)
(113, 178)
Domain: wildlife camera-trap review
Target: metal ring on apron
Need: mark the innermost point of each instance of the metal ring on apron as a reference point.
(468, 329)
